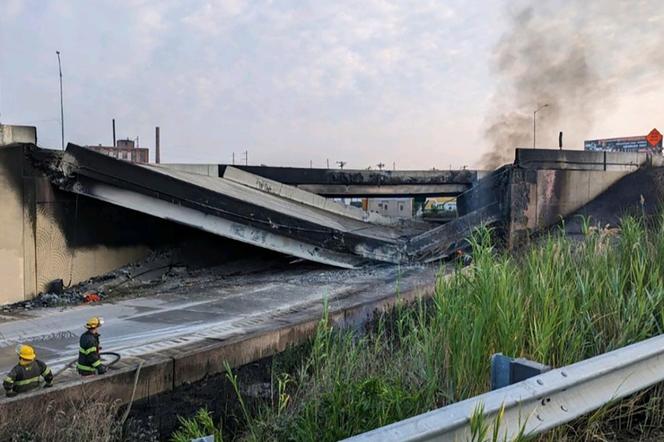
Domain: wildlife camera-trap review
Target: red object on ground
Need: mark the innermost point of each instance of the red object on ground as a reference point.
(91, 297)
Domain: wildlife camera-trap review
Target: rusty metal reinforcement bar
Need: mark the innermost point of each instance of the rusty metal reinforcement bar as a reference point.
(540, 403)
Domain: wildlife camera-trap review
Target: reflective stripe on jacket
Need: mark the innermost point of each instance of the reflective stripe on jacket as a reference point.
(88, 353)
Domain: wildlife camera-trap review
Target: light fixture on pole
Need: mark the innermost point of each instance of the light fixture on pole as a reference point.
(534, 122)
(62, 109)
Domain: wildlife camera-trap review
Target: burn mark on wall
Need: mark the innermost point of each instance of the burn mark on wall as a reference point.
(302, 176)
(18, 170)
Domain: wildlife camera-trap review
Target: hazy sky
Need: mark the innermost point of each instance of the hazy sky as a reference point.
(370, 81)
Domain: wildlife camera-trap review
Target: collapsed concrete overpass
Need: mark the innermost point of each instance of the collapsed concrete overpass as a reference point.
(237, 204)
(76, 214)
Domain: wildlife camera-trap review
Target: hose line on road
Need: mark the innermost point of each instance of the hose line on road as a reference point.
(115, 360)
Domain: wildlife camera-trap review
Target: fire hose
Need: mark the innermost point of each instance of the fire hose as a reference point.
(115, 359)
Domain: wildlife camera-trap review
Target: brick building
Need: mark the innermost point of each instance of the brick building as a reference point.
(124, 150)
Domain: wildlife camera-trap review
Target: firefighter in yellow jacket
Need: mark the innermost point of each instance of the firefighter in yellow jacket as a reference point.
(89, 361)
(27, 374)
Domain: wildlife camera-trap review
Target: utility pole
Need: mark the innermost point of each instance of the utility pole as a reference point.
(311, 164)
(62, 108)
(534, 123)
(233, 158)
(341, 164)
(246, 157)
(328, 163)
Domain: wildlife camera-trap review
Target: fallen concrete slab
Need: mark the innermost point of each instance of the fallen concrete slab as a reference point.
(233, 210)
(304, 197)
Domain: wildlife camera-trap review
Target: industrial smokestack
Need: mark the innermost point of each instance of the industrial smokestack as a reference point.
(157, 152)
(560, 140)
(114, 145)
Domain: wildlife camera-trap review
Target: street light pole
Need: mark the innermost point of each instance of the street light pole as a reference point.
(534, 122)
(62, 109)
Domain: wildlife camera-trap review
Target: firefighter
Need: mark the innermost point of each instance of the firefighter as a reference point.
(89, 362)
(27, 374)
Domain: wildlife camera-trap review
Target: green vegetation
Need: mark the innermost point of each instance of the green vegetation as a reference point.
(200, 425)
(558, 302)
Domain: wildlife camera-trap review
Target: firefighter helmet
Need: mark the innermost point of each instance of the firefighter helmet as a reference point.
(94, 322)
(25, 352)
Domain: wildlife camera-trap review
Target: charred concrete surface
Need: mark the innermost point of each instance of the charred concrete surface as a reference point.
(640, 193)
(366, 183)
(49, 234)
(76, 214)
(240, 207)
(184, 334)
(542, 159)
(543, 187)
(550, 185)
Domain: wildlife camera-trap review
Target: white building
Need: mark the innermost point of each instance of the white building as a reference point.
(394, 207)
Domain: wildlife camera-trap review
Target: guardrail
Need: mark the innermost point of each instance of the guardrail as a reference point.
(541, 402)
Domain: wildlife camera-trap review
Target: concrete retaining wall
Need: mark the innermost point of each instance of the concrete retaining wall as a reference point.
(584, 160)
(545, 186)
(16, 268)
(48, 234)
(542, 198)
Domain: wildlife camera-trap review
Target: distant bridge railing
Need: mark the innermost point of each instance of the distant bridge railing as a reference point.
(540, 403)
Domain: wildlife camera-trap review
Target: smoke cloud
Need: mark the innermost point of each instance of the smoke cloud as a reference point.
(573, 57)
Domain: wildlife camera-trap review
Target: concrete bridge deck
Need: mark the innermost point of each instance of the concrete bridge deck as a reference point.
(345, 183)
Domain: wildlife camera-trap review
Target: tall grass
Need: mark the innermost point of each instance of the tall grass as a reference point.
(558, 302)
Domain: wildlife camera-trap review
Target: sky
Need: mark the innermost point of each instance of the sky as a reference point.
(295, 82)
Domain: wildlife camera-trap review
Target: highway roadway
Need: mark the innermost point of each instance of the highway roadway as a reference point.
(175, 313)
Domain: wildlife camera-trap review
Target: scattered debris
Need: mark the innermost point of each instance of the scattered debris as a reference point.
(91, 297)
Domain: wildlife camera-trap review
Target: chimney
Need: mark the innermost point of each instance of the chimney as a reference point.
(157, 153)
(113, 132)
(560, 140)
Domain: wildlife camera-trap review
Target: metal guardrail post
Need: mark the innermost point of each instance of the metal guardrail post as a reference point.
(541, 402)
(507, 371)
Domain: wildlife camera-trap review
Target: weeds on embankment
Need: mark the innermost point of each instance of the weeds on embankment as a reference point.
(558, 302)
